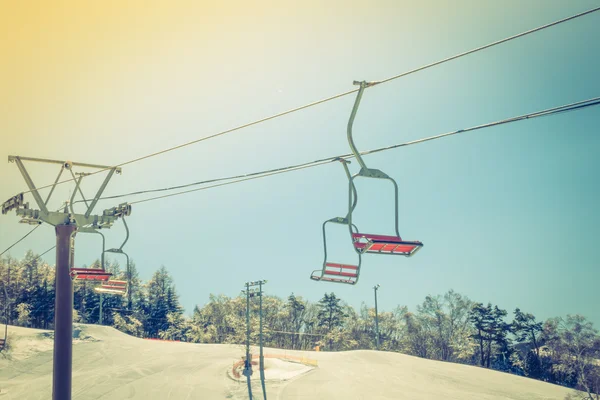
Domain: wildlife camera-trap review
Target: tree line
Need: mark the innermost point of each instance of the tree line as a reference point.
(448, 327)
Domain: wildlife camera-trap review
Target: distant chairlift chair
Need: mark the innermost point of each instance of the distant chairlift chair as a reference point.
(116, 286)
(86, 274)
(100, 275)
(89, 274)
(336, 272)
(366, 242)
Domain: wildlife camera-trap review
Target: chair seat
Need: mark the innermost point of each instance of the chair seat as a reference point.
(335, 272)
(113, 287)
(110, 290)
(383, 244)
(338, 280)
(116, 284)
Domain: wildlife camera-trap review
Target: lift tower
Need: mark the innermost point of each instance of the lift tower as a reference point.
(66, 223)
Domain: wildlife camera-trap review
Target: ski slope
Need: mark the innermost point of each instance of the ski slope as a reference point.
(108, 364)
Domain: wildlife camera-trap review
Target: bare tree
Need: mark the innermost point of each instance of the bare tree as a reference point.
(575, 348)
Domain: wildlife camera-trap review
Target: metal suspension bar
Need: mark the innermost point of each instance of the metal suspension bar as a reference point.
(396, 206)
(127, 233)
(103, 249)
(54, 186)
(78, 187)
(359, 255)
(99, 193)
(324, 247)
(355, 151)
(77, 181)
(350, 209)
(349, 175)
(128, 269)
(76, 164)
(30, 184)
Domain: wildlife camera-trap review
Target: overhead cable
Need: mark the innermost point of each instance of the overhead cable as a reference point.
(18, 241)
(338, 95)
(261, 174)
(487, 46)
(51, 248)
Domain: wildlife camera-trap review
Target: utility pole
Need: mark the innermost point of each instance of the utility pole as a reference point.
(3, 341)
(248, 372)
(66, 224)
(248, 362)
(376, 318)
(100, 318)
(262, 358)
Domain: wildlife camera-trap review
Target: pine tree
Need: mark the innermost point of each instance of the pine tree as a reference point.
(162, 300)
(528, 331)
(331, 314)
(296, 314)
(490, 330)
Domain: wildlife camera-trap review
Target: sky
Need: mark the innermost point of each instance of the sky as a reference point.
(507, 215)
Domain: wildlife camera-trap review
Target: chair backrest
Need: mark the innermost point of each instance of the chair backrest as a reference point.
(90, 274)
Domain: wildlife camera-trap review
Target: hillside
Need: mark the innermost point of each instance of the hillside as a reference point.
(110, 365)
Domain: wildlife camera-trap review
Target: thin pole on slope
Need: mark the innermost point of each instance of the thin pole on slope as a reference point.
(248, 363)
(376, 318)
(262, 359)
(5, 340)
(100, 318)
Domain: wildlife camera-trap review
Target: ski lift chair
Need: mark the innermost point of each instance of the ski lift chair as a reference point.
(367, 242)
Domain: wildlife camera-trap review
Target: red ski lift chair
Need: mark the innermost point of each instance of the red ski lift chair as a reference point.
(336, 272)
(89, 274)
(367, 242)
(114, 289)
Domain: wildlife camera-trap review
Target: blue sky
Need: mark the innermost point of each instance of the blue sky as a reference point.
(507, 215)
